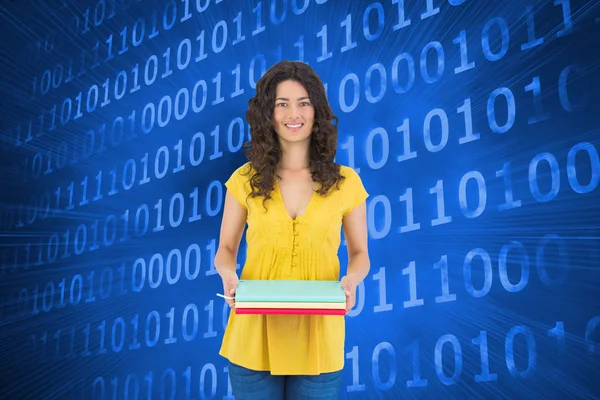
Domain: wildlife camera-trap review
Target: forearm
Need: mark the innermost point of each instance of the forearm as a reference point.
(359, 266)
(225, 260)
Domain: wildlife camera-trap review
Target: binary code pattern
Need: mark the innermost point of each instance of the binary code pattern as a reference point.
(474, 126)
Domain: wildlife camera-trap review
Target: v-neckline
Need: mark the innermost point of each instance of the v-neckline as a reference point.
(282, 202)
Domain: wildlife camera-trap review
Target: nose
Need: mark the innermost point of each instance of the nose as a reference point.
(294, 111)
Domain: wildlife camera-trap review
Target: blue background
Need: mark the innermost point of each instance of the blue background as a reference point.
(474, 125)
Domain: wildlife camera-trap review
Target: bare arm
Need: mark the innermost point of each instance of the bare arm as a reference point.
(232, 228)
(355, 231)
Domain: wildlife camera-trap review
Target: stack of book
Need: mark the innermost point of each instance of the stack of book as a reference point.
(290, 297)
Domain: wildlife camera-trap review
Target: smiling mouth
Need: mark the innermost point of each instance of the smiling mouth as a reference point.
(294, 127)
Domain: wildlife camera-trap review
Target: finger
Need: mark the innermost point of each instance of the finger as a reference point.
(347, 287)
(232, 285)
(350, 303)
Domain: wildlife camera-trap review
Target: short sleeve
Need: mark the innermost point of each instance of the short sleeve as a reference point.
(354, 192)
(238, 184)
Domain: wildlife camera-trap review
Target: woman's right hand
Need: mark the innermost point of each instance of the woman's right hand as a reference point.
(230, 282)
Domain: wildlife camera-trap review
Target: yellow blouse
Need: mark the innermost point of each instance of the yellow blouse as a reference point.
(282, 248)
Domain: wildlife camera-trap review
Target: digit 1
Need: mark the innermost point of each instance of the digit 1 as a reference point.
(210, 331)
(125, 218)
(34, 88)
(218, 97)
(239, 37)
(187, 374)
(430, 10)
(589, 330)
(300, 45)
(442, 218)
(196, 216)
(405, 130)
(259, 26)
(442, 265)
(412, 282)
(135, 322)
(40, 261)
(71, 353)
(215, 134)
(383, 304)
(91, 298)
(61, 285)
(509, 201)
(201, 53)
(145, 178)
(402, 21)
(113, 190)
(94, 245)
(36, 309)
(102, 329)
(558, 332)
(356, 386)
(238, 91)
(56, 337)
(20, 224)
(67, 253)
(86, 346)
(150, 378)
(407, 197)
(485, 375)
(186, 15)
(114, 383)
(566, 10)
(170, 316)
(121, 270)
(168, 70)
(44, 340)
(28, 253)
(532, 42)
(323, 35)
(70, 188)
(416, 381)
(349, 145)
(178, 147)
(469, 135)
(538, 107)
(212, 248)
(159, 225)
(349, 43)
(461, 40)
(99, 194)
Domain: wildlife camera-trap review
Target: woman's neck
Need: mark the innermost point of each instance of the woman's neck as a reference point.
(295, 157)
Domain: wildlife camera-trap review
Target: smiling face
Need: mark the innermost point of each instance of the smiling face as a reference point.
(294, 114)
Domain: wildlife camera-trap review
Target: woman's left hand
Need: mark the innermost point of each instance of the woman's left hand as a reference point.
(349, 284)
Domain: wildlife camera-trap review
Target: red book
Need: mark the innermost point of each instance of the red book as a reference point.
(297, 311)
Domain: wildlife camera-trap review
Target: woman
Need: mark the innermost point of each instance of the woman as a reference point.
(295, 200)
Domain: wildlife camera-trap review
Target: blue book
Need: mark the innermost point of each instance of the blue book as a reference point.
(297, 291)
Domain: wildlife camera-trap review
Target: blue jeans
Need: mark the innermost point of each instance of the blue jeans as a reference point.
(248, 384)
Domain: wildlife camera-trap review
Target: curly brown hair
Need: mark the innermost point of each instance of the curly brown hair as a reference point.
(263, 150)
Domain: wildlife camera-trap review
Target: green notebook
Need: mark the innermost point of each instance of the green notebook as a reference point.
(290, 291)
